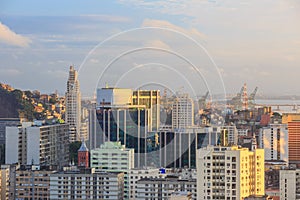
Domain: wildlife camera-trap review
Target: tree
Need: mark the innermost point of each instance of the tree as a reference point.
(73, 148)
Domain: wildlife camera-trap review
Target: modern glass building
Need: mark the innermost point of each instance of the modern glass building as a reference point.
(127, 124)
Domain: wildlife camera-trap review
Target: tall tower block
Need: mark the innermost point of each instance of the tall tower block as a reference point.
(73, 106)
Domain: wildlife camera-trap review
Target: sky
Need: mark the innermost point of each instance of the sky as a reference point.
(189, 45)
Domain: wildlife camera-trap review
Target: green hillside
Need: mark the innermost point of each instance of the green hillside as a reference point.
(14, 104)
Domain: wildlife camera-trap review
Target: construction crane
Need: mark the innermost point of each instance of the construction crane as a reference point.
(252, 95)
(239, 95)
(252, 98)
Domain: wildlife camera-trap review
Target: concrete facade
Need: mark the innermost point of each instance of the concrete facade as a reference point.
(229, 173)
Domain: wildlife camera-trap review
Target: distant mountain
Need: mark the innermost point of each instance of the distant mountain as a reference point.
(14, 103)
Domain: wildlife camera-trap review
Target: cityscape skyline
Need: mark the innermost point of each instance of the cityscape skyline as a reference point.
(263, 44)
(242, 152)
(150, 99)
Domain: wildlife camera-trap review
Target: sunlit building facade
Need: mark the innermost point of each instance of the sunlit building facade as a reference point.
(73, 106)
(182, 112)
(294, 142)
(229, 173)
(274, 140)
(151, 99)
(38, 144)
(4, 182)
(33, 183)
(290, 184)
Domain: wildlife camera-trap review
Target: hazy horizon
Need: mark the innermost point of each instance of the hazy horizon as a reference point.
(199, 45)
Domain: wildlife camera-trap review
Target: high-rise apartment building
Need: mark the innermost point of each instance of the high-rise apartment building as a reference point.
(231, 134)
(16, 144)
(114, 157)
(274, 139)
(5, 122)
(73, 106)
(229, 173)
(87, 185)
(290, 184)
(151, 99)
(294, 142)
(182, 112)
(39, 145)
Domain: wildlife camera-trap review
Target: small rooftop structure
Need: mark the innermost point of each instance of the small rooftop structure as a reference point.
(83, 147)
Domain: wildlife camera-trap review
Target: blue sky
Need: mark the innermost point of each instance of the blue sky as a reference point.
(257, 42)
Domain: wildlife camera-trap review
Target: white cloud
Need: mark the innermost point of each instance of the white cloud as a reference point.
(9, 37)
(158, 44)
(166, 24)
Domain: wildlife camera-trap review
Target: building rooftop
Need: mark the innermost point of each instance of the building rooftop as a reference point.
(113, 145)
(83, 147)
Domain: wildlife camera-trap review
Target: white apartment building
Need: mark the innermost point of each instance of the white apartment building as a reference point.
(4, 122)
(289, 184)
(112, 156)
(39, 145)
(15, 144)
(182, 112)
(229, 173)
(274, 139)
(232, 134)
(73, 106)
(88, 185)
